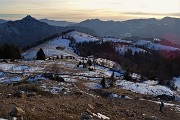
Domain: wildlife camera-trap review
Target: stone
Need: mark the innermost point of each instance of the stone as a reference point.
(17, 112)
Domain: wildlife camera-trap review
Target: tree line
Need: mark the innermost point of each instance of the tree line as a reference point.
(9, 52)
(153, 65)
(104, 50)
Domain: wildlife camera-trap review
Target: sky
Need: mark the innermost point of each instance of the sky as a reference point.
(79, 10)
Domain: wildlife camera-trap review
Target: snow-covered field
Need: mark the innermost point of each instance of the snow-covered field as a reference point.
(93, 85)
(82, 37)
(154, 46)
(10, 80)
(144, 88)
(18, 68)
(50, 49)
(125, 48)
(116, 40)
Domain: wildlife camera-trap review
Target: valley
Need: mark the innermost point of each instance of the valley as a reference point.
(67, 86)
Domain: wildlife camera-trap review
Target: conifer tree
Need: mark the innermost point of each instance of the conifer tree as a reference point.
(40, 55)
(103, 83)
(112, 80)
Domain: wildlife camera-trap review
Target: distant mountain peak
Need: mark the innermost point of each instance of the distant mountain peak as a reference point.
(29, 18)
(44, 19)
(94, 19)
(167, 18)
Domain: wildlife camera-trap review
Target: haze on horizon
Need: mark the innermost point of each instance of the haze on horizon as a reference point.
(78, 10)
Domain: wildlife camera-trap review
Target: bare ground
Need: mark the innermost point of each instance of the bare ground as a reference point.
(71, 106)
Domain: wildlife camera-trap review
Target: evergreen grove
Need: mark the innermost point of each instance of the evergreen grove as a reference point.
(9, 52)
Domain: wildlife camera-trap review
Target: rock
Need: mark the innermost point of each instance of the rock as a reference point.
(17, 112)
(166, 97)
(54, 77)
(19, 94)
(30, 94)
(59, 79)
(91, 107)
(85, 116)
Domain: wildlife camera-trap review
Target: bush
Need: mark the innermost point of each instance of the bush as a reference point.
(127, 76)
(54, 77)
(33, 88)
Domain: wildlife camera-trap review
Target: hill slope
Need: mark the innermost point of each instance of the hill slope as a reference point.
(59, 45)
(26, 31)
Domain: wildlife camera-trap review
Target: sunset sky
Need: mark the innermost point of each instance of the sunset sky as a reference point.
(78, 10)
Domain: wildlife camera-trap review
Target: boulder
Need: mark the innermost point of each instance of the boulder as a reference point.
(17, 112)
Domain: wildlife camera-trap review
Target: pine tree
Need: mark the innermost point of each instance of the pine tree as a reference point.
(89, 62)
(103, 83)
(9, 52)
(61, 56)
(127, 75)
(112, 75)
(84, 65)
(112, 80)
(40, 55)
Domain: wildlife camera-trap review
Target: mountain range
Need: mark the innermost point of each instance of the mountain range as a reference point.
(29, 30)
(26, 31)
(57, 23)
(166, 28)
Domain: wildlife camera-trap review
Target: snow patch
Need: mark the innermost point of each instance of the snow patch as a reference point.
(36, 78)
(20, 68)
(116, 40)
(1, 73)
(154, 46)
(144, 88)
(6, 67)
(177, 82)
(11, 80)
(151, 82)
(69, 79)
(125, 48)
(113, 95)
(82, 37)
(53, 90)
(93, 85)
(101, 116)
